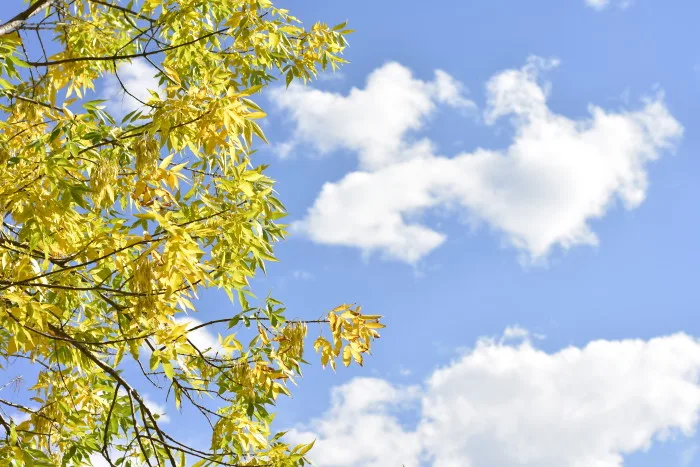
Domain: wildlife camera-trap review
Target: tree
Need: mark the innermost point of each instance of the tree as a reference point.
(110, 227)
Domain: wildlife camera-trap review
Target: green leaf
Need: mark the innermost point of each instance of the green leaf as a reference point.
(307, 448)
(168, 369)
(154, 361)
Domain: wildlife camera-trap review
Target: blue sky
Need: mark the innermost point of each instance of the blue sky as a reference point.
(636, 283)
(525, 219)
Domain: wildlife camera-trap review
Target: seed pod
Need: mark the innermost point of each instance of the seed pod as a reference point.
(146, 150)
(292, 340)
(142, 283)
(102, 179)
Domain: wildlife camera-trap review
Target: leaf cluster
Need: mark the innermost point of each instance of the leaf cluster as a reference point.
(111, 226)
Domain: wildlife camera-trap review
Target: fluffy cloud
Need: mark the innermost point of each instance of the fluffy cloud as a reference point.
(506, 404)
(371, 121)
(540, 192)
(360, 429)
(138, 77)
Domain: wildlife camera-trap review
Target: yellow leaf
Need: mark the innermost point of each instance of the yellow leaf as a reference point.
(347, 356)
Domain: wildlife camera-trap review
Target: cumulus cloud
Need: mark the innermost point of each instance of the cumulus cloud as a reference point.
(372, 121)
(541, 191)
(360, 429)
(511, 404)
(138, 77)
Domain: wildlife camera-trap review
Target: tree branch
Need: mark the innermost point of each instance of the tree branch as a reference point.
(19, 20)
(130, 390)
(127, 56)
(124, 10)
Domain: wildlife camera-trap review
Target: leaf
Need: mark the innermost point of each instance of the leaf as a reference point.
(307, 447)
(166, 161)
(154, 361)
(347, 356)
(340, 26)
(168, 369)
(13, 434)
(274, 40)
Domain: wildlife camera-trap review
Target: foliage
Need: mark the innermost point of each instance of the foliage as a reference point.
(110, 227)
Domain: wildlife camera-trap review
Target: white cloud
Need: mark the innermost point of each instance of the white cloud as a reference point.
(603, 4)
(556, 175)
(515, 333)
(360, 430)
(156, 409)
(18, 417)
(372, 121)
(284, 150)
(505, 405)
(447, 90)
(138, 77)
(201, 338)
(98, 460)
(598, 4)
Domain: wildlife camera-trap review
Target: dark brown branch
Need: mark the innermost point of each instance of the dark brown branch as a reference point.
(87, 263)
(5, 425)
(28, 410)
(255, 318)
(131, 391)
(72, 340)
(123, 10)
(109, 416)
(127, 56)
(128, 133)
(35, 102)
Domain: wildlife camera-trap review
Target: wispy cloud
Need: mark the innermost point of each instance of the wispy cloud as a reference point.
(603, 4)
(302, 275)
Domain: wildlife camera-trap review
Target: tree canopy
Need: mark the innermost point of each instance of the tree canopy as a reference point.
(112, 224)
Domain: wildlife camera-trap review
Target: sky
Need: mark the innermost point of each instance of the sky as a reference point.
(512, 184)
